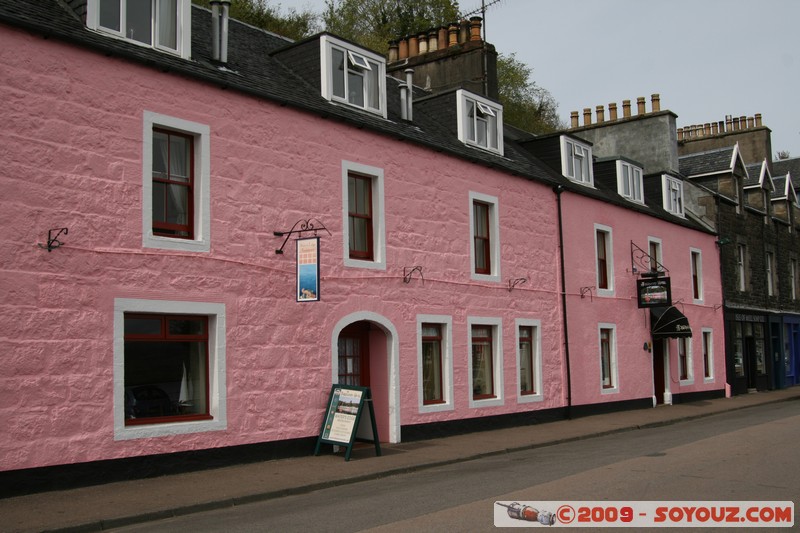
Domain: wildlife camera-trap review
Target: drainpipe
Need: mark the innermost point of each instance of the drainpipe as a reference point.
(558, 189)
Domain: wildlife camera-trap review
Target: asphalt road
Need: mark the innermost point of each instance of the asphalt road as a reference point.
(746, 455)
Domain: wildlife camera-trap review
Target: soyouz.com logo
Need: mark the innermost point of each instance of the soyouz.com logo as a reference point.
(727, 514)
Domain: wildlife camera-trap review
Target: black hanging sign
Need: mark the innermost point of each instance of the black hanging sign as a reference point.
(654, 292)
(346, 404)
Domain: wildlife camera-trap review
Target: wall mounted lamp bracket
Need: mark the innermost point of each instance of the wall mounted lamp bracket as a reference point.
(409, 272)
(514, 282)
(306, 226)
(585, 290)
(52, 240)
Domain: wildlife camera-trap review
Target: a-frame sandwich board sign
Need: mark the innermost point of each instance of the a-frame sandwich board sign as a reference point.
(346, 404)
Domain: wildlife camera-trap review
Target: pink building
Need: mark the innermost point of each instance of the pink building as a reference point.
(148, 313)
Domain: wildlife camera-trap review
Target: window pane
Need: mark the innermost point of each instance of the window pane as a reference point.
(177, 204)
(186, 326)
(355, 88)
(470, 120)
(626, 180)
(337, 57)
(160, 154)
(358, 235)
(492, 131)
(143, 326)
(431, 364)
(109, 14)
(179, 158)
(481, 131)
(526, 360)
(481, 216)
(138, 20)
(482, 378)
(159, 202)
(373, 86)
(168, 23)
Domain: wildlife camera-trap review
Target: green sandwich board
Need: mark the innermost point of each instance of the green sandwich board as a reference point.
(346, 404)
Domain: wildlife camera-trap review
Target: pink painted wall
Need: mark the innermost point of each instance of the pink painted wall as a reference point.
(71, 157)
(633, 324)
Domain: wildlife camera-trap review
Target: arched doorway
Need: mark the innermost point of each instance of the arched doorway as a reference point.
(364, 352)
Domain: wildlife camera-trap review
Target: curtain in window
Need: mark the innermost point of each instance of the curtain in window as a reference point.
(168, 23)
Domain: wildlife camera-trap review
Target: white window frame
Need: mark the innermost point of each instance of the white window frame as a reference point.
(769, 268)
(672, 204)
(613, 358)
(201, 134)
(497, 361)
(378, 261)
(536, 346)
(184, 26)
(634, 184)
(609, 260)
(445, 322)
(569, 158)
(741, 263)
(687, 343)
(494, 237)
(696, 264)
(217, 386)
(708, 353)
(354, 55)
(490, 109)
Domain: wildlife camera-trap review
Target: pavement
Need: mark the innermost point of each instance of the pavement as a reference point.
(119, 504)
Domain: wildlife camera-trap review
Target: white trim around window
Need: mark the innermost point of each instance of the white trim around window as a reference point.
(494, 236)
(378, 261)
(497, 361)
(182, 23)
(445, 322)
(372, 88)
(696, 271)
(536, 348)
(609, 259)
(685, 345)
(217, 383)
(629, 182)
(479, 121)
(672, 190)
(576, 161)
(609, 384)
(202, 184)
(707, 338)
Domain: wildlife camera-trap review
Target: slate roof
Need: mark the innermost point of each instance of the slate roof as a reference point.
(710, 162)
(258, 65)
(784, 166)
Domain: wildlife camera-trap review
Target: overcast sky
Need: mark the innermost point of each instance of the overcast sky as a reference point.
(706, 58)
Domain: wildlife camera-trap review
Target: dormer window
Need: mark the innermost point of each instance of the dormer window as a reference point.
(629, 181)
(576, 161)
(353, 76)
(673, 195)
(161, 24)
(480, 122)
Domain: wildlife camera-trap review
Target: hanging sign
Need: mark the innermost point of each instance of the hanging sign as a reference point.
(308, 269)
(343, 416)
(654, 292)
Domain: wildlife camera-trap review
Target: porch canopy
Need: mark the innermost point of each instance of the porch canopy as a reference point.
(668, 322)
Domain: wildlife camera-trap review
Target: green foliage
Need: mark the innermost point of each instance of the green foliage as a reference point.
(260, 13)
(373, 23)
(525, 105)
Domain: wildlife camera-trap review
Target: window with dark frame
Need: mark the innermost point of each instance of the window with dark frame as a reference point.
(359, 209)
(432, 364)
(166, 368)
(607, 377)
(481, 237)
(173, 184)
(602, 260)
(527, 374)
(683, 360)
(482, 363)
(697, 292)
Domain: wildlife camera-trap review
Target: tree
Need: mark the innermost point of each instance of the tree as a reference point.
(261, 14)
(525, 105)
(373, 23)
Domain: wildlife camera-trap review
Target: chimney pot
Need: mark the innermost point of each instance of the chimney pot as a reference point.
(728, 123)
(394, 47)
(758, 120)
(735, 124)
(422, 39)
(402, 51)
(463, 31)
(626, 108)
(680, 134)
(612, 111)
(587, 116)
(573, 116)
(707, 129)
(475, 28)
(742, 122)
(656, 100)
(640, 105)
(413, 46)
(751, 121)
(442, 37)
(433, 40)
(452, 34)
(601, 115)
(714, 128)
